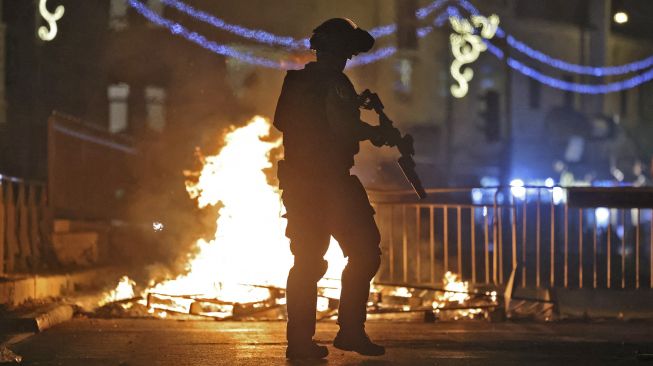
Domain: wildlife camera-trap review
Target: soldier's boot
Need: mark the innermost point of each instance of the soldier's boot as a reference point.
(357, 341)
(307, 351)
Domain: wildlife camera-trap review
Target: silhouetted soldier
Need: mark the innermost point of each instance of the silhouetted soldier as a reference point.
(318, 113)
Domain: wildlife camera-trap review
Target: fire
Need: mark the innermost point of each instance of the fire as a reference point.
(123, 291)
(249, 246)
(459, 289)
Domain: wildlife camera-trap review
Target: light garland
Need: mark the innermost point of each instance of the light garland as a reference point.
(223, 50)
(271, 39)
(178, 29)
(50, 32)
(578, 69)
(466, 47)
(598, 71)
(381, 31)
(580, 88)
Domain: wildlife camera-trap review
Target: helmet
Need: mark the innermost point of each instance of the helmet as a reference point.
(341, 35)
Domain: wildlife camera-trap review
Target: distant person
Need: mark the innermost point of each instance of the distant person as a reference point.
(318, 113)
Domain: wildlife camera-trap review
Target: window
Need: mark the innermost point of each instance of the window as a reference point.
(156, 6)
(623, 103)
(534, 93)
(404, 83)
(406, 24)
(118, 14)
(155, 98)
(569, 96)
(118, 95)
(645, 101)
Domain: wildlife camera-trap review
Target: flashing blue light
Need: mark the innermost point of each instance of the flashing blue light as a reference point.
(517, 189)
(602, 215)
(477, 196)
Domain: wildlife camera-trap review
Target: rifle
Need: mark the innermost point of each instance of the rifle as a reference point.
(404, 144)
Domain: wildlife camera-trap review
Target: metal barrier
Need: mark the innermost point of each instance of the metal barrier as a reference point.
(24, 225)
(483, 234)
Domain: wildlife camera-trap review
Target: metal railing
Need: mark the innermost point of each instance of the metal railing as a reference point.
(24, 228)
(484, 234)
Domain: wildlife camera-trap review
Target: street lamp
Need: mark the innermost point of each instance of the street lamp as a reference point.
(620, 17)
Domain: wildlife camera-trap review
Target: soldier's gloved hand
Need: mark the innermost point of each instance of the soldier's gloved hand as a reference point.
(391, 135)
(377, 137)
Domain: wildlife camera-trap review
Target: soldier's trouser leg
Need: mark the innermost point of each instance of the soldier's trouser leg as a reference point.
(355, 290)
(301, 297)
(358, 236)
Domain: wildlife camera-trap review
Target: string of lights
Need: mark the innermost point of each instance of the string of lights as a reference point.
(579, 69)
(224, 50)
(577, 87)
(560, 64)
(381, 31)
(271, 39)
(567, 85)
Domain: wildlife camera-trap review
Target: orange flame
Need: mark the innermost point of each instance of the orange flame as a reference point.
(250, 246)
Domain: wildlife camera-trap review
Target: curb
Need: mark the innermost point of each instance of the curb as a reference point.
(38, 320)
(17, 290)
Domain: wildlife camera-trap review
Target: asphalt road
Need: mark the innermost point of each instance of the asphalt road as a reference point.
(131, 342)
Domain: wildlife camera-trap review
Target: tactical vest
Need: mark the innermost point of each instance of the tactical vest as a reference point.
(310, 148)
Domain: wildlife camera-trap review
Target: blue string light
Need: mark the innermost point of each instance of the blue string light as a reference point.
(180, 30)
(580, 88)
(560, 64)
(223, 50)
(285, 41)
(381, 31)
(579, 69)
(254, 34)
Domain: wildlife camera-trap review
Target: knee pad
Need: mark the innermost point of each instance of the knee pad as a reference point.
(313, 269)
(367, 266)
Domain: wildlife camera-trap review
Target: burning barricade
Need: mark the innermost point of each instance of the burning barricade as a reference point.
(241, 272)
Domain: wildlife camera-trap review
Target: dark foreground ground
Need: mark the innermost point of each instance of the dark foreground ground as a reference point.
(90, 342)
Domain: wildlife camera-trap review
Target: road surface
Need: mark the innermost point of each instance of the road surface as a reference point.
(131, 342)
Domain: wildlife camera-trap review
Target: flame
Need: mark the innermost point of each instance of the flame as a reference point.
(249, 246)
(456, 291)
(123, 291)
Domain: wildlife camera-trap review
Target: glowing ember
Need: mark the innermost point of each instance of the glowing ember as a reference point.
(123, 291)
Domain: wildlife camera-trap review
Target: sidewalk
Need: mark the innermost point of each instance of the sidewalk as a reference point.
(17, 289)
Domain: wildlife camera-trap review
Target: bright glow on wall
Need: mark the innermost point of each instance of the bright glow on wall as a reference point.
(466, 47)
(48, 33)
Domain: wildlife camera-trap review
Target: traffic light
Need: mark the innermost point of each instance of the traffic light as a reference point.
(491, 115)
